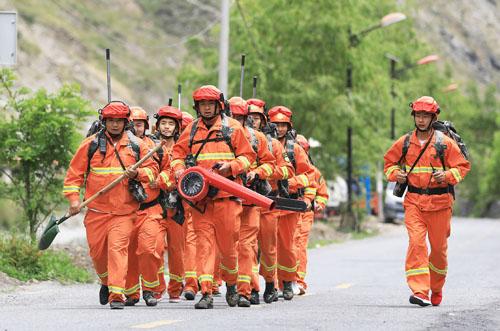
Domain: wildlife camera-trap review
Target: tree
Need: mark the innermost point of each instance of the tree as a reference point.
(38, 132)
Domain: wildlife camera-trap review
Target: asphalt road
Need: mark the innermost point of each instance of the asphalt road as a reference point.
(357, 285)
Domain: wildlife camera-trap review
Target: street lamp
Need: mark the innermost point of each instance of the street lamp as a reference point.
(354, 40)
(395, 73)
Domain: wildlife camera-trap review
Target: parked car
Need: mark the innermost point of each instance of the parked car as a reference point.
(337, 191)
(393, 205)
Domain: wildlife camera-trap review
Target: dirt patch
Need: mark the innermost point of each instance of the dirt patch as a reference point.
(7, 283)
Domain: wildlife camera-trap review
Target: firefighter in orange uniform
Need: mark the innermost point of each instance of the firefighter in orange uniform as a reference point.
(268, 229)
(303, 180)
(260, 171)
(215, 141)
(429, 200)
(109, 220)
(307, 219)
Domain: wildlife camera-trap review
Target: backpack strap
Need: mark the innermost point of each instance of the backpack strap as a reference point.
(192, 133)
(134, 144)
(440, 146)
(253, 140)
(227, 131)
(160, 152)
(290, 151)
(406, 146)
(269, 143)
(99, 142)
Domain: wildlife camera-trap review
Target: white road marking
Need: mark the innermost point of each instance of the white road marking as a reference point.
(154, 324)
(343, 286)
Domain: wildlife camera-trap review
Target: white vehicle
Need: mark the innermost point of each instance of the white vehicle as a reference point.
(393, 205)
(337, 194)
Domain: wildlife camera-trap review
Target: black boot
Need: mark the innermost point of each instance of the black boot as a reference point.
(206, 302)
(189, 295)
(243, 301)
(104, 295)
(129, 302)
(116, 305)
(254, 298)
(231, 295)
(287, 290)
(150, 299)
(270, 293)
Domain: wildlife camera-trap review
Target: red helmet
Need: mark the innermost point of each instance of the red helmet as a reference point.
(186, 119)
(170, 112)
(303, 142)
(208, 92)
(425, 104)
(280, 114)
(115, 109)
(256, 106)
(139, 114)
(238, 106)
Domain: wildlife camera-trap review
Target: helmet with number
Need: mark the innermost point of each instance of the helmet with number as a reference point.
(425, 104)
(115, 109)
(139, 114)
(209, 93)
(238, 106)
(170, 112)
(280, 114)
(187, 118)
(303, 142)
(257, 106)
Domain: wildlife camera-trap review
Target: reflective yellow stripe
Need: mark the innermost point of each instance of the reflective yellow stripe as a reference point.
(310, 190)
(456, 174)
(71, 188)
(190, 274)
(304, 179)
(244, 279)
(301, 274)
(107, 171)
(293, 269)
(422, 170)
(267, 168)
(116, 289)
(216, 156)
(176, 162)
(284, 169)
(104, 274)
(321, 199)
(390, 170)
(255, 269)
(438, 271)
(246, 163)
(206, 278)
(229, 271)
(149, 172)
(161, 270)
(151, 284)
(266, 267)
(133, 289)
(254, 165)
(166, 179)
(175, 277)
(416, 272)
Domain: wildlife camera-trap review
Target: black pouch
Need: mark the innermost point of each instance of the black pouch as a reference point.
(137, 190)
(399, 189)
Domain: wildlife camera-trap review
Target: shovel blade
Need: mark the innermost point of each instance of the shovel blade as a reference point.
(48, 234)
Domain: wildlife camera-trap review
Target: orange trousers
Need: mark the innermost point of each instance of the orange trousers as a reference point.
(218, 226)
(190, 275)
(144, 260)
(424, 271)
(249, 230)
(108, 237)
(268, 241)
(287, 257)
(175, 255)
(301, 241)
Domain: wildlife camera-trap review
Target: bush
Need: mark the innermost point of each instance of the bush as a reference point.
(21, 259)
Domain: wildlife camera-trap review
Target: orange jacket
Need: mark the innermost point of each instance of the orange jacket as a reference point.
(322, 190)
(165, 164)
(304, 174)
(283, 168)
(214, 152)
(456, 167)
(166, 179)
(118, 200)
(265, 163)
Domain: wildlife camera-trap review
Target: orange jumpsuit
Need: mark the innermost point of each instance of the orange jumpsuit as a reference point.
(268, 232)
(306, 222)
(288, 221)
(190, 275)
(110, 218)
(427, 214)
(250, 218)
(219, 222)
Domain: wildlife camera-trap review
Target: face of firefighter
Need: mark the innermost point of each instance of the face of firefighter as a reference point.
(423, 120)
(140, 128)
(207, 108)
(256, 120)
(115, 126)
(167, 127)
(240, 118)
(282, 129)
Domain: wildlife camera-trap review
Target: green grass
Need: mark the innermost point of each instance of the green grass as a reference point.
(21, 259)
(363, 234)
(322, 242)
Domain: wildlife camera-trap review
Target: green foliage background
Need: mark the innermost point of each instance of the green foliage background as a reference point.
(299, 50)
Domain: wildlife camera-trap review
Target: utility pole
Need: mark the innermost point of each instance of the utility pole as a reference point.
(224, 47)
